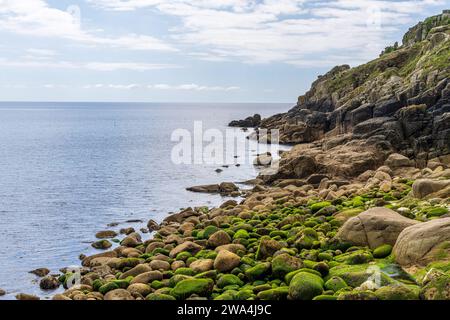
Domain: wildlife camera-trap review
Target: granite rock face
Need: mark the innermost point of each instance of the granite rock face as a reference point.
(422, 243)
(374, 227)
(398, 103)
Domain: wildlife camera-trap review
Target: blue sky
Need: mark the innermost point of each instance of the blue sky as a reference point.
(190, 50)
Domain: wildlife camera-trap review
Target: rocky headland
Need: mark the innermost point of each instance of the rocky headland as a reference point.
(359, 209)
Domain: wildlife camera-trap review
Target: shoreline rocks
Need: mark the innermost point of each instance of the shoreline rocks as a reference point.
(423, 243)
(374, 227)
(250, 122)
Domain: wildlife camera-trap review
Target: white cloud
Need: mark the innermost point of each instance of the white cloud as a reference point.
(163, 86)
(192, 87)
(300, 32)
(37, 18)
(94, 66)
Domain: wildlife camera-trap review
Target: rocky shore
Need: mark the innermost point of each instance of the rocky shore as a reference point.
(359, 209)
(383, 235)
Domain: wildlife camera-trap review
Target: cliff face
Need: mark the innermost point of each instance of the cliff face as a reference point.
(400, 101)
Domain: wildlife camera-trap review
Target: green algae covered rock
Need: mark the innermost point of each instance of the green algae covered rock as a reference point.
(355, 275)
(398, 292)
(259, 271)
(305, 286)
(325, 297)
(288, 278)
(355, 257)
(437, 289)
(335, 284)
(108, 287)
(382, 251)
(267, 247)
(283, 264)
(357, 295)
(159, 296)
(241, 234)
(229, 279)
(280, 293)
(319, 205)
(185, 288)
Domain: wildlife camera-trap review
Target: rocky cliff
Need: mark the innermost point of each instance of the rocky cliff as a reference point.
(399, 102)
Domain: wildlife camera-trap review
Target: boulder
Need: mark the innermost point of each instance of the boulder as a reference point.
(137, 270)
(219, 238)
(267, 247)
(437, 289)
(187, 246)
(107, 234)
(422, 243)
(374, 227)
(202, 265)
(226, 261)
(305, 286)
(423, 188)
(249, 122)
(181, 216)
(224, 188)
(263, 159)
(160, 265)
(25, 296)
(396, 160)
(147, 277)
(49, 283)
(41, 272)
(185, 288)
(118, 294)
(140, 288)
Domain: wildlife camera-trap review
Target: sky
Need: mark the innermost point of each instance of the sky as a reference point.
(190, 50)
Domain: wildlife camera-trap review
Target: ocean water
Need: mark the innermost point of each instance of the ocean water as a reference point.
(67, 170)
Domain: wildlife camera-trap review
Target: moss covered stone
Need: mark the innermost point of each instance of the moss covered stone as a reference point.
(357, 295)
(382, 251)
(283, 264)
(305, 286)
(241, 234)
(319, 205)
(398, 292)
(229, 279)
(108, 287)
(259, 271)
(185, 288)
(437, 289)
(280, 293)
(159, 296)
(335, 284)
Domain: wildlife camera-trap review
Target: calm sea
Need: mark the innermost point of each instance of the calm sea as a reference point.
(67, 170)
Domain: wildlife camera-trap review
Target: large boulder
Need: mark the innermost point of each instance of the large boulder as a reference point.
(249, 122)
(118, 294)
(396, 160)
(374, 227)
(427, 188)
(226, 261)
(423, 243)
(188, 246)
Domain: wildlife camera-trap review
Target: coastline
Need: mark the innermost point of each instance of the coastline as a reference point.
(279, 242)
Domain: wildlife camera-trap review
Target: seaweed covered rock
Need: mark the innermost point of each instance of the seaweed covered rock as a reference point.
(374, 227)
(267, 247)
(226, 261)
(437, 289)
(398, 292)
(185, 288)
(283, 264)
(305, 286)
(423, 243)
